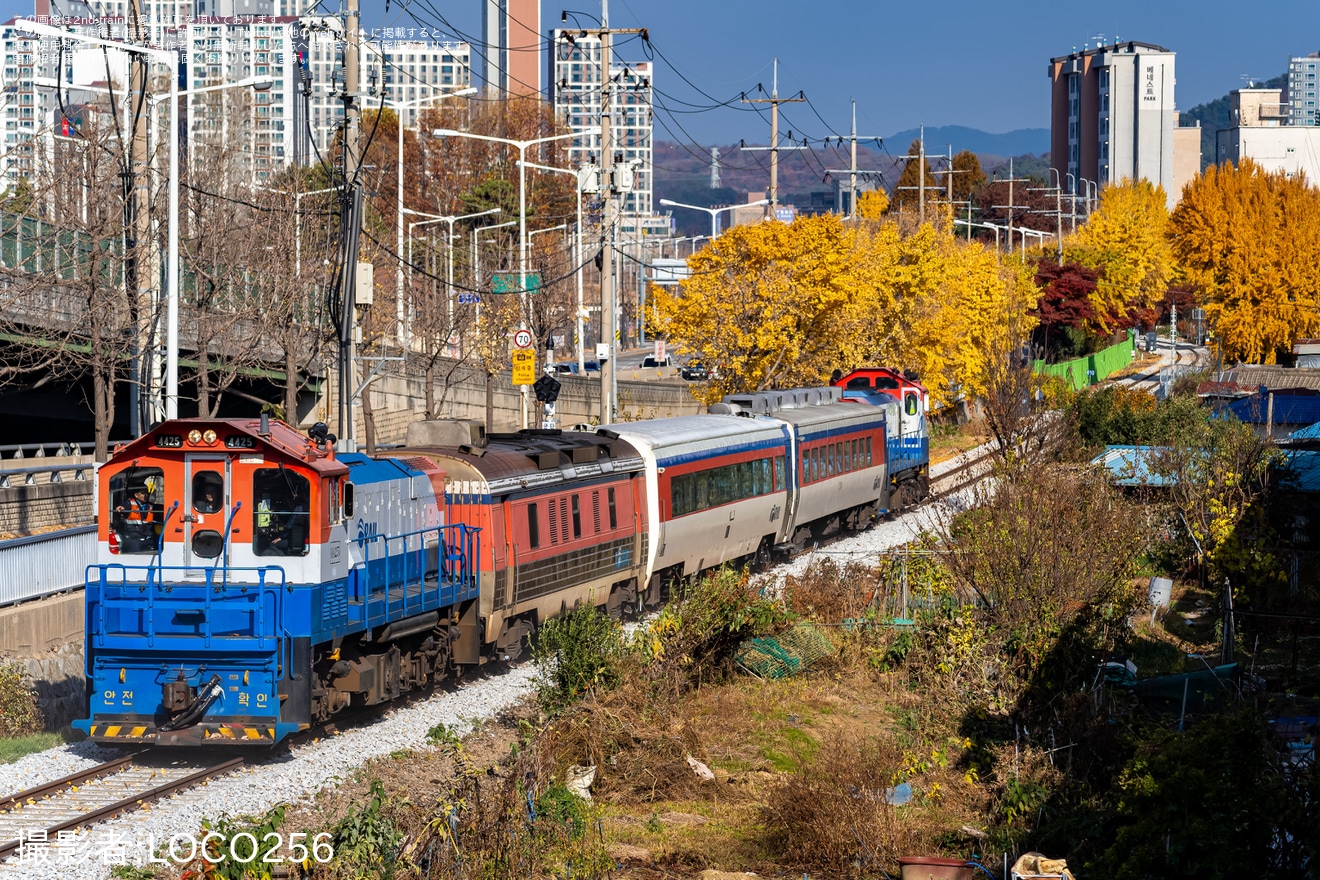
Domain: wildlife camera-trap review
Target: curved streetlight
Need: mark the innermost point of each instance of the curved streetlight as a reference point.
(450, 220)
(170, 60)
(400, 326)
(522, 205)
(713, 212)
(577, 258)
(260, 83)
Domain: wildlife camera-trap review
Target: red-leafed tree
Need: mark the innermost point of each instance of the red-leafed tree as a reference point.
(1065, 305)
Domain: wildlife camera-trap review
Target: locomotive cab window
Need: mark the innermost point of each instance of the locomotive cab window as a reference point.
(136, 509)
(910, 403)
(208, 492)
(280, 512)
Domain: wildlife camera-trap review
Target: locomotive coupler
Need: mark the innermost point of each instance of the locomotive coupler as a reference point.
(177, 695)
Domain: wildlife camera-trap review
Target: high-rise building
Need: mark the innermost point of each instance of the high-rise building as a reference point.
(400, 69)
(266, 129)
(1302, 89)
(511, 31)
(289, 122)
(577, 96)
(1113, 115)
(18, 55)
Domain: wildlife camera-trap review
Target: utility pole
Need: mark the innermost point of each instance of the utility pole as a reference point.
(1010, 206)
(609, 317)
(774, 101)
(852, 164)
(1058, 215)
(921, 177)
(350, 224)
(137, 229)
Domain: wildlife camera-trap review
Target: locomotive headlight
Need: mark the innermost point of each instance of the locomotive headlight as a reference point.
(209, 436)
(123, 673)
(194, 436)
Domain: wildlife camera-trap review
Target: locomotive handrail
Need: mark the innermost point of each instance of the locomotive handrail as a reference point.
(224, 544)
(154, 586)
(407, 568)
(160, 539)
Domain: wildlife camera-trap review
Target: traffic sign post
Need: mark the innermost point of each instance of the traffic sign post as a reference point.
(522, 338)
(524, 366)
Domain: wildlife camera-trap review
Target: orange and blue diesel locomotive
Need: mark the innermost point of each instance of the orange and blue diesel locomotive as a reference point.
(251, 581)
(908, 438)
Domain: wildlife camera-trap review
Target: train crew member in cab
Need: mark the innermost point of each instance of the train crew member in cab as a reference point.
(135, 518)
(289, 534)
(209, 502)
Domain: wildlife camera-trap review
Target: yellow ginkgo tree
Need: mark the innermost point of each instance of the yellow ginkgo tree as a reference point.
(1127, 240)
(776, 305)
(1246, 240)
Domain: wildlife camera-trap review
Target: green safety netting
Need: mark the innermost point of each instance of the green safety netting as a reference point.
(786, 654)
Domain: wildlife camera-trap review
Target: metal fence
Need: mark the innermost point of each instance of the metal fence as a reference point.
(59, 449)
(39, 565)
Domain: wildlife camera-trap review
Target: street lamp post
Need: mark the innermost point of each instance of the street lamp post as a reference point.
(577, 261)
(522, 205)
(260, 83)
(450, 220)
(714, 228)
(400, 326)
(170, 60)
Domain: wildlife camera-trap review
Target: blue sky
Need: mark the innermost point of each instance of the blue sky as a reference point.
(977, 64)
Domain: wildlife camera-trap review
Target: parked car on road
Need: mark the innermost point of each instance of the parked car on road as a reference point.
(567, 368)
(694, 371)
(652, 361)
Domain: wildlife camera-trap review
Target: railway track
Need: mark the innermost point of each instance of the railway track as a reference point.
(962, 476)
(98, 793)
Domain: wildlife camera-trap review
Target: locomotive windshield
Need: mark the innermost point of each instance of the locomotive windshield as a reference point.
(136, 508)
(280, 515)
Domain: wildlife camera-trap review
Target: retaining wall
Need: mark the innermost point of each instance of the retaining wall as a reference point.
(34, 508)
(45, 637)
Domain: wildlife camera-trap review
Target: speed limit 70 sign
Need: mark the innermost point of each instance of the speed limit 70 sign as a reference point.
(522, 339)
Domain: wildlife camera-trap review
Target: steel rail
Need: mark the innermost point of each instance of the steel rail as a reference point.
(18, 801)
(125, 805)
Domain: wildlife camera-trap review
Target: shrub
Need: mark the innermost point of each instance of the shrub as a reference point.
(694, 638)
(19, 714)
(833, 815)
(580, 653)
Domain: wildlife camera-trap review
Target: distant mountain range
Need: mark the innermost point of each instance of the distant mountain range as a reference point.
(1018, 142)
(683, 172)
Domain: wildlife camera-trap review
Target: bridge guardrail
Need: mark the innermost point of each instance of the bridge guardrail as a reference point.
(54, 473)
(18, 451)
(39, 565)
